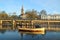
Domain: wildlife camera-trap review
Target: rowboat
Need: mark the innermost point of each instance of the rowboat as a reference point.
(33, 30)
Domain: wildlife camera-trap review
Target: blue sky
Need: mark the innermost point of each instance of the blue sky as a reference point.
(10, 6)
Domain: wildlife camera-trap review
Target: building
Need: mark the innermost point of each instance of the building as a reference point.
(50, 17)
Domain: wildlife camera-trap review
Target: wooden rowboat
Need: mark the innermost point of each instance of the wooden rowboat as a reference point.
(33, 30)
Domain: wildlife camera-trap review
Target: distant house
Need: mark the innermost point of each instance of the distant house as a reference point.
(50, 17)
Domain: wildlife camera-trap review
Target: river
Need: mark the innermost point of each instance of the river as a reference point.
(15, 35)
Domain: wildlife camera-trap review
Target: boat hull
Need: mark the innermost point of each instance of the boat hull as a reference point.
(33, 30)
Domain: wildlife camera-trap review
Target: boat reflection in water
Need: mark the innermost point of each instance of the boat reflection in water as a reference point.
(30, 36)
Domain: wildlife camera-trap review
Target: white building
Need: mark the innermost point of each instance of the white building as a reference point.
(51, 17)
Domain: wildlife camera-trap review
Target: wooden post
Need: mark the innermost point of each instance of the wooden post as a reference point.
(23, 25)
(0, 24)
(32, 24)
(27, 25)
(13, 24)
(48, 25)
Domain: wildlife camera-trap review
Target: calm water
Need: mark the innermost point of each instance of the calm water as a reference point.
(15, 35)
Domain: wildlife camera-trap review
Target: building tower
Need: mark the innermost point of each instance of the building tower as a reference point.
(22, 11)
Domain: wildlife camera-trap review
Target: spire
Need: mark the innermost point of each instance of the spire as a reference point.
(22, 10)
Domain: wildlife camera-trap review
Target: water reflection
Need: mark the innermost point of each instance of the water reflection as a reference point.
(15, 35)
(2, 31)
(21, 36)
(30, 36)
(47, 36)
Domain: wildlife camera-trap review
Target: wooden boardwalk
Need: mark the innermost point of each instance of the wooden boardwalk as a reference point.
(14, 22)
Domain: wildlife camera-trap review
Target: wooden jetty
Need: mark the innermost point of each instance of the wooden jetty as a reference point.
(47, 24)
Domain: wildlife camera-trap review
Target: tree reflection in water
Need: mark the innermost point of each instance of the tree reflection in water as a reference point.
(2, 31)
